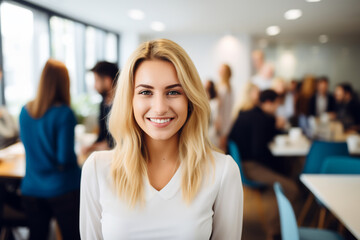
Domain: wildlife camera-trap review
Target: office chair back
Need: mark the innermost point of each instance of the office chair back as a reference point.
(319, 151)
(234, 152)
(289, 228)
(341, 165)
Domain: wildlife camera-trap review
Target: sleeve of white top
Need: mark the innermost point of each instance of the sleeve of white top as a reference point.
(90, 208)
(228, 207)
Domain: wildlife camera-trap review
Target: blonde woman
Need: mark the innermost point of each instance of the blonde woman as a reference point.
(248, 99)
(162, 180)
(225, 105)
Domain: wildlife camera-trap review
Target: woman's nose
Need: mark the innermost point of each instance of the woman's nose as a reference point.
(160, 105)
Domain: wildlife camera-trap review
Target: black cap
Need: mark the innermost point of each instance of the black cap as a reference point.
(105, 68)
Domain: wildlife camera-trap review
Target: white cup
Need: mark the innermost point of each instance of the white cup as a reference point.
(353, 141)
(295, 134)
(281, 140)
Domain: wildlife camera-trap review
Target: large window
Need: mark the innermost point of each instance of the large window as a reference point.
(67, 46)
(30, 37)
(25, 49)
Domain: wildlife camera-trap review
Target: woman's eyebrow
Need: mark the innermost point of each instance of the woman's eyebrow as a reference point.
(173, 86)
(145, 86)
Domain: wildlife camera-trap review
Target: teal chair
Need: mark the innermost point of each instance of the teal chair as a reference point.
(319, 151)
(341, 165)
(289, 228)
(234, 152)
(256, 187)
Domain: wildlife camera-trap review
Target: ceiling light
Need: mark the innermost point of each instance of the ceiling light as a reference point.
(312, 1)
(293, 14)
(323, 38)
(157, 26)
(273, 30)
(136, 14)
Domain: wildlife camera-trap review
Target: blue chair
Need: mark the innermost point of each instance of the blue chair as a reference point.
(341, 165)
(234, 152)
(319, 151)
(289, 228)
(253, 185)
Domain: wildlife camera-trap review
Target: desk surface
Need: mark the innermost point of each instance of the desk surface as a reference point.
(12, 158)
(12, 161)
(340, 194)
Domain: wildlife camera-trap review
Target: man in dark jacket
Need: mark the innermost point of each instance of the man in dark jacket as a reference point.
(322, 101)
(252, 132)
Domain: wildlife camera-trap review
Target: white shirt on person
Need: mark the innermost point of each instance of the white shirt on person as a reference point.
(215, 213)
(225, 106)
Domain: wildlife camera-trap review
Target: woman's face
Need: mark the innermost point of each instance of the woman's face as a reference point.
(160, 105)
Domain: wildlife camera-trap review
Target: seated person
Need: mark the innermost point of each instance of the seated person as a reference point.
(252, 132)
(9, 132)
(322, 101)
(347, 107)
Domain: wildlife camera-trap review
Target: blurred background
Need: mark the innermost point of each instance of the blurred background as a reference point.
(296, 38)
(318, 38)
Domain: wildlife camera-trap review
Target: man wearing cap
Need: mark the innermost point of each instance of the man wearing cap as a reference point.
(105, 74)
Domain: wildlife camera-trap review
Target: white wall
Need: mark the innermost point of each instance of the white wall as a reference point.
(129, 41)
(208, 52)
(340, 62)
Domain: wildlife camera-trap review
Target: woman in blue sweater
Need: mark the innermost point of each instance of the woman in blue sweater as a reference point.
(52, 180)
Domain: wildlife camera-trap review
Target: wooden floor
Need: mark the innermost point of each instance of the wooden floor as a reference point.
(252, 226)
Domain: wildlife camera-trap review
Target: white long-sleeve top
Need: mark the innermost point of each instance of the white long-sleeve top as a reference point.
(215, 213)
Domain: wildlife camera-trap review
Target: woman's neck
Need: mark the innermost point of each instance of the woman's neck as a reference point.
(162, 150)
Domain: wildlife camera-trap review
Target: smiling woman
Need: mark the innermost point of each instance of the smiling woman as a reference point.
(163, 180)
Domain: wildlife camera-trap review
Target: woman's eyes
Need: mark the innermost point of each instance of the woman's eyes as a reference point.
(174, 93)
(147, 92)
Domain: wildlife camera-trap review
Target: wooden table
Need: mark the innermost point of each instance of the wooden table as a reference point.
(12, 161)
(340, 194)
(12, 158)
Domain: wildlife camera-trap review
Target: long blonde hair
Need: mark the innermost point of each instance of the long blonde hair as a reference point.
(245, 101)
(54, 88)
(130, 154)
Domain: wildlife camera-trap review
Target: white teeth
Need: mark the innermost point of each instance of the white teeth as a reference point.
(159, 120)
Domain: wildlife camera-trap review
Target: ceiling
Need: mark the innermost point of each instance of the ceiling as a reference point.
(335, 18)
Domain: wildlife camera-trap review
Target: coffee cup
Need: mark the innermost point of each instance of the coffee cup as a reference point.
(295, 134)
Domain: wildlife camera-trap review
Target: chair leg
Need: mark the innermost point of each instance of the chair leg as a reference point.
(322, 217)
(305, 209)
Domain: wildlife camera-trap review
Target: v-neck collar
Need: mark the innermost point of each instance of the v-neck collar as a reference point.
(168, 191)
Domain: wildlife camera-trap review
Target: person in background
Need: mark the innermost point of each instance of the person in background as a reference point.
(347, 107)
(105, 74)
(252, 132)
(162, 180)
(307, 90)
(9, 132)
(264, 72)
(248, 98)
(286, 109)
(213, 101)
(225, 106)
(51, 184)
(322, 101)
